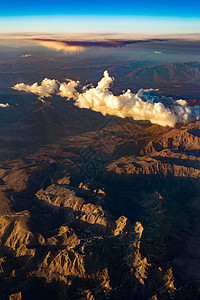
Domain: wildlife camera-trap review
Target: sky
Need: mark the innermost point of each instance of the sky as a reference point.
(176, 16)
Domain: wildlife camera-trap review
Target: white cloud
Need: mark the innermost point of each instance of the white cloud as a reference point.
(46, 89)
(68, 89)
(49, 87)
(146, 104)
(4, 105)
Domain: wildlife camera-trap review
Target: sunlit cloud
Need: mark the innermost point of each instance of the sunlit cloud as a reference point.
(146, 104)
(2, 105)
(46, 89)
(60, 46)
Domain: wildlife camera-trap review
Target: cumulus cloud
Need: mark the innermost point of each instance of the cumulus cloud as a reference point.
(46, 89)
(68, 89)
(4, 105)
(146, 104)
(49, 87)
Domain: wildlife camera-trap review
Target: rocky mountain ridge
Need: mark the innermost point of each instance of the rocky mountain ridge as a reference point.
(108, 214)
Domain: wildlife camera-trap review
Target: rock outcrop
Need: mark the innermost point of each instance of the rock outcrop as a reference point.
(128, 229)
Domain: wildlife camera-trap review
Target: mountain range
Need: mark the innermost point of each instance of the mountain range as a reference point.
(108, 213)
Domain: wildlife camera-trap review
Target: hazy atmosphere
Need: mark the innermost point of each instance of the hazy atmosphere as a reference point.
(99, 150)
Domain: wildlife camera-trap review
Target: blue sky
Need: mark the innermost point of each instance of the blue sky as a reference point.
(105, 15)
(177, 8)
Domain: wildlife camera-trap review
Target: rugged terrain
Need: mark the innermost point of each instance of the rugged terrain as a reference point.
(108, 213)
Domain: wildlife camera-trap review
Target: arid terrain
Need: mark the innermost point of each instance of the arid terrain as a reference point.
(106, 214)
(98, 207)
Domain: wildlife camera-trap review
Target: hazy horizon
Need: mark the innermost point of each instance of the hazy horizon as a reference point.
(100, 24)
